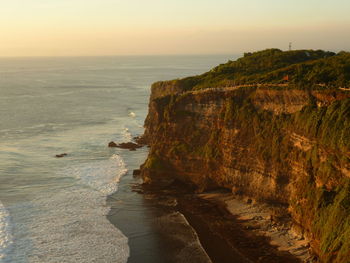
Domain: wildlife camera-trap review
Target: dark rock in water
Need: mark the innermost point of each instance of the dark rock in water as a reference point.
(61, 155)
(137, 138)
(129, 145)
(136, 172)
(112, 144)
(125, 145)
(140, 140)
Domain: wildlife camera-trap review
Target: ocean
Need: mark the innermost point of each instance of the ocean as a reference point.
(55, 209)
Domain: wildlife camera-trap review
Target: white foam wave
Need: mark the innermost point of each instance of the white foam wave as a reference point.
(127, 134)
(132, 114)
(70, 225)
(102, 176)
(5, 232)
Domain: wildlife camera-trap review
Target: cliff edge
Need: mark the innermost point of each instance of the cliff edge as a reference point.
(272, 126)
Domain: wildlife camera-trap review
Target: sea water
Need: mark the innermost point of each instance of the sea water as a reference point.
(54, 209)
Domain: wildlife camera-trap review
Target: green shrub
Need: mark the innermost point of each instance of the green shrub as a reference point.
(155, 163)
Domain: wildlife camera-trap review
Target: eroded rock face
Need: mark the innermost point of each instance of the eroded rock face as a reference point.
(274, 146)
(280, 101)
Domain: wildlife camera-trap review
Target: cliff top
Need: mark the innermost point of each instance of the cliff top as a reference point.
(298, 69)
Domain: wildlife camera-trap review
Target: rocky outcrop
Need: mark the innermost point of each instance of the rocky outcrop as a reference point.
(112, 144)
(61, 155)
(288, 148)
(125, 145)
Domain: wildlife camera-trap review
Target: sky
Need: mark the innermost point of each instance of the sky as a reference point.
(170, 27)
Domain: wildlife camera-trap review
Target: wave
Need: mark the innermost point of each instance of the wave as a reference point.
(127, 134)
(6, 239)
(33, 96)
(38, 128)
(102, 176)
(70, 225)
(132, 114)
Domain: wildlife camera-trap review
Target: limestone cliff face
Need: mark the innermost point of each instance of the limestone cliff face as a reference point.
(289, 148)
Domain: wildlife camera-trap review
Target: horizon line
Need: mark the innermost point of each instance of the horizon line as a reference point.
(153, 55)
(120, 55)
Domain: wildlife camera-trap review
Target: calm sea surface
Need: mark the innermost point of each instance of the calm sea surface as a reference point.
(54, 209)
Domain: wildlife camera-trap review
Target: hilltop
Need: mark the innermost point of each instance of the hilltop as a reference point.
(300, 69)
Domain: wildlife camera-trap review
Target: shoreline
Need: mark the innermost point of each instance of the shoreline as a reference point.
(223, 235)
(173, 223)
(156, 231)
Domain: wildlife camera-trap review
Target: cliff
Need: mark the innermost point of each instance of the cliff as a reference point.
(285, 145)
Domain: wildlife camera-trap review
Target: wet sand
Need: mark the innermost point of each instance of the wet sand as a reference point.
(157, 233)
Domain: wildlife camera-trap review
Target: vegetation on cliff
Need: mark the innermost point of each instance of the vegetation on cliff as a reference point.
(300, 68)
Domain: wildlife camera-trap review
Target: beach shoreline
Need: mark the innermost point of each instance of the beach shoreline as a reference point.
(222, 233)
(174, 223)
(157, 232)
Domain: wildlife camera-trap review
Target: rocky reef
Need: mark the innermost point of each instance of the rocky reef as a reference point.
(283, 144)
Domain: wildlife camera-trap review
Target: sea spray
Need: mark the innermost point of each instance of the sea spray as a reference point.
(70, 224)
